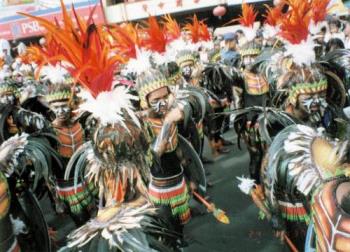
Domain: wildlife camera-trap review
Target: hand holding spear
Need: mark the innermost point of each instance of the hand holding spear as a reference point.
(249, 187)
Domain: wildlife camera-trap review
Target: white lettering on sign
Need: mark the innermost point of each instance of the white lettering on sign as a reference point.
(30, 27)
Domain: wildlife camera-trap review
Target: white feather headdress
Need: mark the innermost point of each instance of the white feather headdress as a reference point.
(112, 106)
(55, 74)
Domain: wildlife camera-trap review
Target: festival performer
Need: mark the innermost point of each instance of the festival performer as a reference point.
(25, 175)
(115, 161)
(251, 89)
(70, 131)
(168, 186)
(306, 161)
(14, 118)
(315, 95)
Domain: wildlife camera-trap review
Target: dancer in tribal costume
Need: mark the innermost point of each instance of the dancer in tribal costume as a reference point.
(25, 172)
(300, 162)
(115, 161)
(168, 186)
(70, 133)
(13, 118)
(251, 89)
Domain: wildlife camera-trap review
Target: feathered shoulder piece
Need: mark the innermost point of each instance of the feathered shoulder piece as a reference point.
(247, 20)
(301, 158)
(155, 40)
(198, 30)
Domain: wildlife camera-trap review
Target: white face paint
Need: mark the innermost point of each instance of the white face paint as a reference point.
(314, 105)
(248, 60)
(187, 71)
(61, 110)
(8, 99)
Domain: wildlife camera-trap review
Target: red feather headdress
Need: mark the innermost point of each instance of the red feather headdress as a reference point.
(295, 30)
(319, 10)
(171, 28)
(126, 39)
(295, 27)
(247, 20)
(248, 16)
(198, 30)
(155, 40)
(273, 16)
(88, 57)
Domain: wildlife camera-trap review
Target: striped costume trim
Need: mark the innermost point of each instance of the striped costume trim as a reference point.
(176, 197)
(294, 212)
(79, 198)
(306, 88)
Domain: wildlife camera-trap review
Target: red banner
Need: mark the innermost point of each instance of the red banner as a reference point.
(17, 27)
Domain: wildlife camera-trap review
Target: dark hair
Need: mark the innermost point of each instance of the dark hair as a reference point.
(334, 21)
(333, 44)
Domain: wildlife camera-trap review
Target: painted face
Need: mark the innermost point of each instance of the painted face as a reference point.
(8, 98)
(248, 60)
(333, 28)
(61, 110)
(313, 105)
(159, 100)
(187, 71)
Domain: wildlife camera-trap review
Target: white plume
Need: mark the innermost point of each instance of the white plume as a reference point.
(302, 53)
(26, 69)
(246, 184)
(55, 74)
(159, 59)
(316, 28)
(250, 32)
(270, 31)
(109, 107)
(141, 63)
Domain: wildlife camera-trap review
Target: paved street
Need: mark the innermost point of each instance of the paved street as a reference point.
(245, 232)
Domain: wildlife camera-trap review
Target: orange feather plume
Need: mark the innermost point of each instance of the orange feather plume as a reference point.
(273, 15)
(248, 16)
(126, 38)
(2, 62)
(319, 10)
(295, 27)
(155, 38)
(198, 30)
(83, 49)
(204, 33)
(171, 28)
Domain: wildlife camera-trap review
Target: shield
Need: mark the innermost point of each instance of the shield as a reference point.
(34, 219)
(195, 166)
